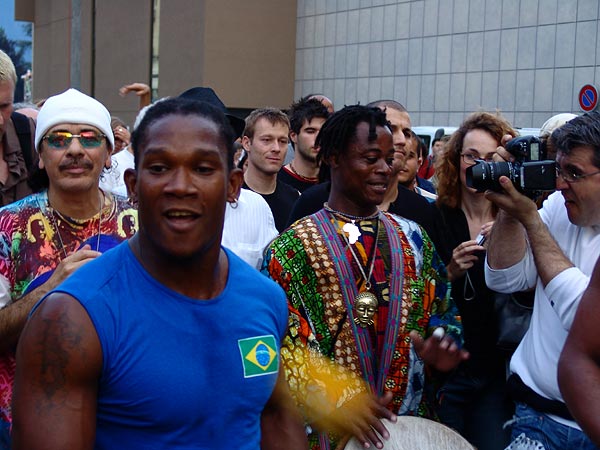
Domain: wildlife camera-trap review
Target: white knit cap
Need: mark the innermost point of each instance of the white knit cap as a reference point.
(555, 122)
(75, 107)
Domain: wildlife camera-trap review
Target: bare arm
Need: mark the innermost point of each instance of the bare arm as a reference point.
(506, 226)
(500, 255)
(14, 315)
(579, 365)
(519, 211)
(142, 90)
(549, 258)
(59, 361)
(281, 423)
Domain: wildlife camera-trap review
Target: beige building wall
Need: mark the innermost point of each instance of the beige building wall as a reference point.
(114, 46)
(245, 50)
(250, 55)
(181, 46)
(122, 52)
(444, 59)
(51, 58)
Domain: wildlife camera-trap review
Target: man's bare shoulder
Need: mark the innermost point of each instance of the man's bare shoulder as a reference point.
(59, 362)
(59, 336)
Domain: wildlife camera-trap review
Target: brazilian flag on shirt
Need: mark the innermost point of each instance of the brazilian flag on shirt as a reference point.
(259, 355)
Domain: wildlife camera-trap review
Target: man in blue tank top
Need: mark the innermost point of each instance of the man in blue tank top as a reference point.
(168, 340)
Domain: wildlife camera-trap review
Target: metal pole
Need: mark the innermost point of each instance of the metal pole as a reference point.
(76, 44)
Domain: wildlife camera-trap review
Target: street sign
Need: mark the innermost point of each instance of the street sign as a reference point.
(588, 98)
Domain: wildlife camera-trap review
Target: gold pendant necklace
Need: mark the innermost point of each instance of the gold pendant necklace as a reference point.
(365, 307)
(365, 303)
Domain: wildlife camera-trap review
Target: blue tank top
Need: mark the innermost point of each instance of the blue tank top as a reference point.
(180, 373)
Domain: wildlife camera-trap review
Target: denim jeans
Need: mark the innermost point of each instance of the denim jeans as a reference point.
(550, 433)
(4, 435)
(473, 401)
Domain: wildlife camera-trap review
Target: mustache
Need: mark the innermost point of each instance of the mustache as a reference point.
(76, 164)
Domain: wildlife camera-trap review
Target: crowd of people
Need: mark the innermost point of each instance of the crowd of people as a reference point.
(294, 280)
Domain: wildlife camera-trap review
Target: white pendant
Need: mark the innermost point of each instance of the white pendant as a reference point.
(352, 230)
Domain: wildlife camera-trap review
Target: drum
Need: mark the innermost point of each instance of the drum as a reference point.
(410, 433)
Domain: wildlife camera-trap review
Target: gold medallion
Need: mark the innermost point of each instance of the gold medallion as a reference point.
(365, 307)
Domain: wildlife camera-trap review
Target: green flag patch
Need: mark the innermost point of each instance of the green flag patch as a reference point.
(259, 355)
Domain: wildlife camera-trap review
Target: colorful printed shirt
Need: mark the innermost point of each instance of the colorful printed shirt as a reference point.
(34, 238)
(314, 264)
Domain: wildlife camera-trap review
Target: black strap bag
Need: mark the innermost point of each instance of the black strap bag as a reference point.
(513, 314)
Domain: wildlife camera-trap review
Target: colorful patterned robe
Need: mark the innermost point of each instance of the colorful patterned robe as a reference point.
(303, 261)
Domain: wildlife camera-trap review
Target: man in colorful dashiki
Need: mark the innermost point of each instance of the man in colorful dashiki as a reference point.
(46, 236)
(366, 290)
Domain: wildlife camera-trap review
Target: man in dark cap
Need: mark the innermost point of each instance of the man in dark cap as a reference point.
(249, 224)
(208, 95)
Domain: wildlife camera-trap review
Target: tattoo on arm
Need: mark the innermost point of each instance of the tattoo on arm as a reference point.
(58, 340)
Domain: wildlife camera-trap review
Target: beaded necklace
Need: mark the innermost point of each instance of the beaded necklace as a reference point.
(302, 177)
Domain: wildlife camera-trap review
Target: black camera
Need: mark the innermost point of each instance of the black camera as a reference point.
(530, 172)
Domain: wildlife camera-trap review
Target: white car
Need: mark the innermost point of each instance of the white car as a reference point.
(429, 134)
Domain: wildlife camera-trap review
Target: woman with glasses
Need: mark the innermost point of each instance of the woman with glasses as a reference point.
(473, 398)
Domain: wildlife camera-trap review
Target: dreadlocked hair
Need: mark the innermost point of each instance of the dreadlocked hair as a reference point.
(340, 129)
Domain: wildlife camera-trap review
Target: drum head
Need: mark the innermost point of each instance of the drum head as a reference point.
(410, 433)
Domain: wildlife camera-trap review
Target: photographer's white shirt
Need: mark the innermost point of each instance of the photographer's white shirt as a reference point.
(536, 358)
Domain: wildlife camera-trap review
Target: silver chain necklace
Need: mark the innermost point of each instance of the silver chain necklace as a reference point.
(359, 264)
(366, 303)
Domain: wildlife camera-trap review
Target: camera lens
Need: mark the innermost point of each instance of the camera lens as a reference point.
(483, 176)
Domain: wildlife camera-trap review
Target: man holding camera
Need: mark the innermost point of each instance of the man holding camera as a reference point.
(554, 251)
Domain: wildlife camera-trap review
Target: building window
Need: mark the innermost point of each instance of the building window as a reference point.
(155, 47)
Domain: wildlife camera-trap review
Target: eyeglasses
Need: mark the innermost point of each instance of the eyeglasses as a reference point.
(471, 159)
(62, 139)
(571, 177)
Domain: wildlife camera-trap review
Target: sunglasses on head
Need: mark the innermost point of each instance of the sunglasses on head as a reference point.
(62, 139)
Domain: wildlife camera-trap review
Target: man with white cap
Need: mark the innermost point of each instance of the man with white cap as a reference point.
(46, 236)
(554, 122)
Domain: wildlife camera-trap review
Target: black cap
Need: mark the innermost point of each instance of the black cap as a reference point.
(207, 95)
